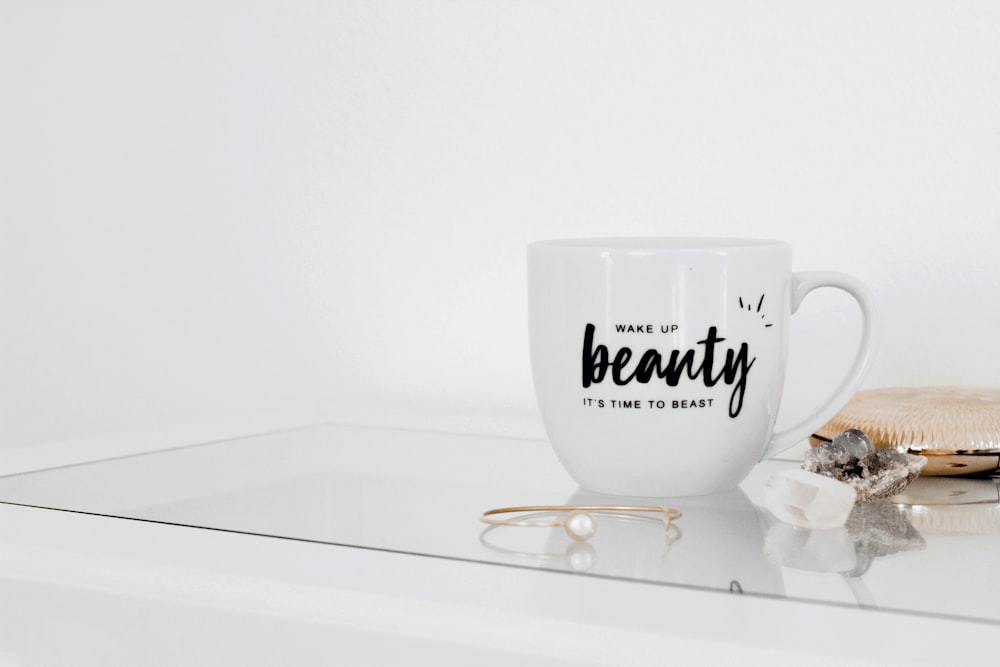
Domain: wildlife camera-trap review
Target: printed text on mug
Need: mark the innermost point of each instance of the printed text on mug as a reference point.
(670, 367)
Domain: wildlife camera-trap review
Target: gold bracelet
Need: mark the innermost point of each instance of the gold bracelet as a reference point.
(577, 522)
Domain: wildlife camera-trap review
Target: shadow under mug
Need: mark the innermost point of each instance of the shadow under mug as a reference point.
(659, 363)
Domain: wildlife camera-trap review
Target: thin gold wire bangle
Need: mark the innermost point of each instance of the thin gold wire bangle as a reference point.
(669, 513)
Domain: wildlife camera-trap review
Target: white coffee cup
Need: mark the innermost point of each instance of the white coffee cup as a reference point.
(659, 363)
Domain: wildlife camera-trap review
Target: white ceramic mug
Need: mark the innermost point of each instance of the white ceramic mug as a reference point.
(659, 363)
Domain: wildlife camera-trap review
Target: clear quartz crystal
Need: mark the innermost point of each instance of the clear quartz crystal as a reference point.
(874, 473)
(808, 500)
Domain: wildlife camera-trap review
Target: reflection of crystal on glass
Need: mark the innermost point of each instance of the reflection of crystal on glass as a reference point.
(809, 500)
(880, 529)
(874, 473)
(872, 530)
(829, 550)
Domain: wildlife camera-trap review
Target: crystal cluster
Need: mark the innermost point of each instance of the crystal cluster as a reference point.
(873, 472)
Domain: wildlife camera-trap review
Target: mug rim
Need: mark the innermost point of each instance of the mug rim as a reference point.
(659, 243)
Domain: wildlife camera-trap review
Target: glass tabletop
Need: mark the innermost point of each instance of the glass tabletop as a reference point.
(929, 551)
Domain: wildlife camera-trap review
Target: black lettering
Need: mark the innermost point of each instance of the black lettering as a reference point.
(672, 369)
(634, 328)
(675, 368)
(736, 371)
(621, 359)
(595, 362)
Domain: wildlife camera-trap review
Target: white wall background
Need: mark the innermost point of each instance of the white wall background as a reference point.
(259, 214)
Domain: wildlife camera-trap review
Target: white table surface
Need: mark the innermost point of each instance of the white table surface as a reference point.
(348, 545)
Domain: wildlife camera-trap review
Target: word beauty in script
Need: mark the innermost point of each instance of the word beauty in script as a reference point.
(672, 367)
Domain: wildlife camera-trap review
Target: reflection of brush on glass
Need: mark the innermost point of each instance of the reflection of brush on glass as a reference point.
(953, 506)
(956, 428)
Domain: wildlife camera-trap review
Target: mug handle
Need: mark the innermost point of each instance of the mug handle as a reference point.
(803, 283)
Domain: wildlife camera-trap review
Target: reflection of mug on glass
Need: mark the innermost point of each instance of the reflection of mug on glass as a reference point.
(659, 363)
